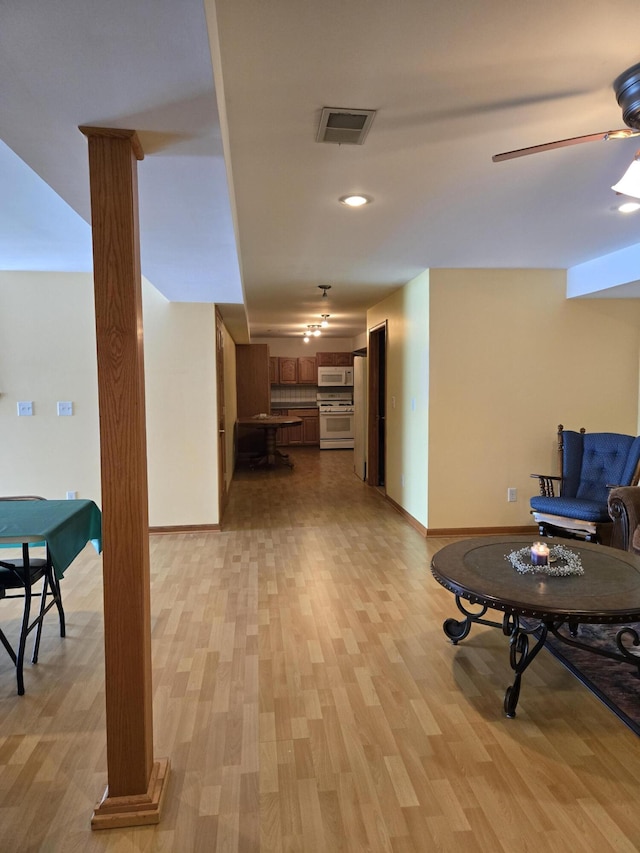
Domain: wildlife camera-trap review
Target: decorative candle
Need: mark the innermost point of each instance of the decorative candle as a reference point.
(539, 554)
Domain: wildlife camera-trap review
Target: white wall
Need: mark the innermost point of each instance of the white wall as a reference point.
(48, 353)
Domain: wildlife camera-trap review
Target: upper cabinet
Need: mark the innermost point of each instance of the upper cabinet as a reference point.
(288, 368)
(334, 359)
(307, 370)
(293, 371)
(274, 370)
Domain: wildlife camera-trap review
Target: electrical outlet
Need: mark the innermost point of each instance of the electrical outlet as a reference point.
(72, 496)
(512, 495)
(25, 409)
(65, 408)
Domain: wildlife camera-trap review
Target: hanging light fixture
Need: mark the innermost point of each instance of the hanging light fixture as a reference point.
(313, 329)
(325, 320)
(324, 288)
(629, 183)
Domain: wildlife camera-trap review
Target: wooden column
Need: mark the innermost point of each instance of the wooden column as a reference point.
(135, 782)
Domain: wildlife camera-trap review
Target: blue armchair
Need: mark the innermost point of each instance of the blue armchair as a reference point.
(591, 465)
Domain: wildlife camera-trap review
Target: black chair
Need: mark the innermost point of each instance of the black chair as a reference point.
(21, 575)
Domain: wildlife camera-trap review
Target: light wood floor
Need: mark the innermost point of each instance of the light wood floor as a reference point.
(309, 701)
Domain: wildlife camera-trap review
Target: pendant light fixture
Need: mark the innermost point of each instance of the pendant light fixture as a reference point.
(629, 183)
(313, 330)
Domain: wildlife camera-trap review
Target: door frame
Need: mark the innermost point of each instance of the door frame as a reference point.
(221, 437)
(377, 404)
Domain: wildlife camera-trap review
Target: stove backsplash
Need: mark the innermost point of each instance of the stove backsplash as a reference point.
(294, 394)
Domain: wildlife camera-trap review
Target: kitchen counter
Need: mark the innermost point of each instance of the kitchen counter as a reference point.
(293, 405)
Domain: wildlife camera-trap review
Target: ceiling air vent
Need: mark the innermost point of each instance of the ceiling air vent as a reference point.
(344, 126)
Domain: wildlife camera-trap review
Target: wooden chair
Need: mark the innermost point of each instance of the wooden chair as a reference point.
(591, 465)
(20, 575)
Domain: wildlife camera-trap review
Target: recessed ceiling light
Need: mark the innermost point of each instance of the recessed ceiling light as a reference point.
(355, 200)
(629, 207)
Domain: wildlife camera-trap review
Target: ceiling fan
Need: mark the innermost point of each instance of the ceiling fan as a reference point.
(627, 89)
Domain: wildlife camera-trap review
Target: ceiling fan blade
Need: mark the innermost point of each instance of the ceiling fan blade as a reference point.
(625, 133)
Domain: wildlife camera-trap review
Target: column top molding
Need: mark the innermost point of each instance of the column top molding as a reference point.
(115, 133)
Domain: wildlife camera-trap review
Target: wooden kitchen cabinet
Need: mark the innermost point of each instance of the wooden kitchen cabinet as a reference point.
(274, 370)
(252, 379)
(334, 359)
(311, 430)
(307, 370)
(288, 369)
(306, 433)
(282, 433)
(253, 394)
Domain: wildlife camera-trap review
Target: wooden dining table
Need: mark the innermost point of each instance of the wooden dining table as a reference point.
(270, 424)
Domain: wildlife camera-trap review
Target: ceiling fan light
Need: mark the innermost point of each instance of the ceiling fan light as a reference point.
(629, 207)
(629, 183)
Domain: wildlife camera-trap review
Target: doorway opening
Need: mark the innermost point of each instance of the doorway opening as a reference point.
(377, 350)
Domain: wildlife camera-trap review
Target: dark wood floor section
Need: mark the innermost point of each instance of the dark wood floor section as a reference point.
(309, 701)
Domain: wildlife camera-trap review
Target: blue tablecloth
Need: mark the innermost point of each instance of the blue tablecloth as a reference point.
(66, 526)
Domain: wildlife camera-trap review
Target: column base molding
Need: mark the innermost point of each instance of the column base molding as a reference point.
(134, 810)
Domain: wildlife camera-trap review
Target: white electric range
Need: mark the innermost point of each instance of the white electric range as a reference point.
(335, 410)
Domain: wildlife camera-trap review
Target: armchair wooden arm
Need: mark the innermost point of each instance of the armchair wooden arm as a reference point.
(546, 484)
(624, 509)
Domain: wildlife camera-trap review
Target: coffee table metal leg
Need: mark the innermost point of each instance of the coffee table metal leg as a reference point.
(520, 655)
(457, 630)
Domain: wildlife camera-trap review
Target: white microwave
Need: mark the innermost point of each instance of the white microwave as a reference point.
(333, 377)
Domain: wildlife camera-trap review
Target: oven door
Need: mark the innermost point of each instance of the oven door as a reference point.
(336, 430)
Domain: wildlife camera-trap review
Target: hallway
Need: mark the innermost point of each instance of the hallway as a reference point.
(309, 701)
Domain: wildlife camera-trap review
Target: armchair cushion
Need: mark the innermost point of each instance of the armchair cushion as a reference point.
(585, 510)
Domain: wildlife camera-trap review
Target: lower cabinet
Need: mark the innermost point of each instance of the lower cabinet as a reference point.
(306, 433)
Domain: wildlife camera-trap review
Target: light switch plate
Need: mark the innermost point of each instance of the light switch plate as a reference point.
(65, 408)
(25, 408)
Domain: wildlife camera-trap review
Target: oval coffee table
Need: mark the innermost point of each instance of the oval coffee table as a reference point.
(477, 571)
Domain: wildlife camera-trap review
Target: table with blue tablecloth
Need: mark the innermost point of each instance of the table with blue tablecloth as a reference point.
(65, 526)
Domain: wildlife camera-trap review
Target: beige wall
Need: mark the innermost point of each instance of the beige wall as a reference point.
(48, 354)
(182, 430)
(511, 358)
(508, 358)
(407, 393)
(294, 347)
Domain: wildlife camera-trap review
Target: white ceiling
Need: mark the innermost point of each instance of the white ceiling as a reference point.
(452, 83)
(141, 64)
